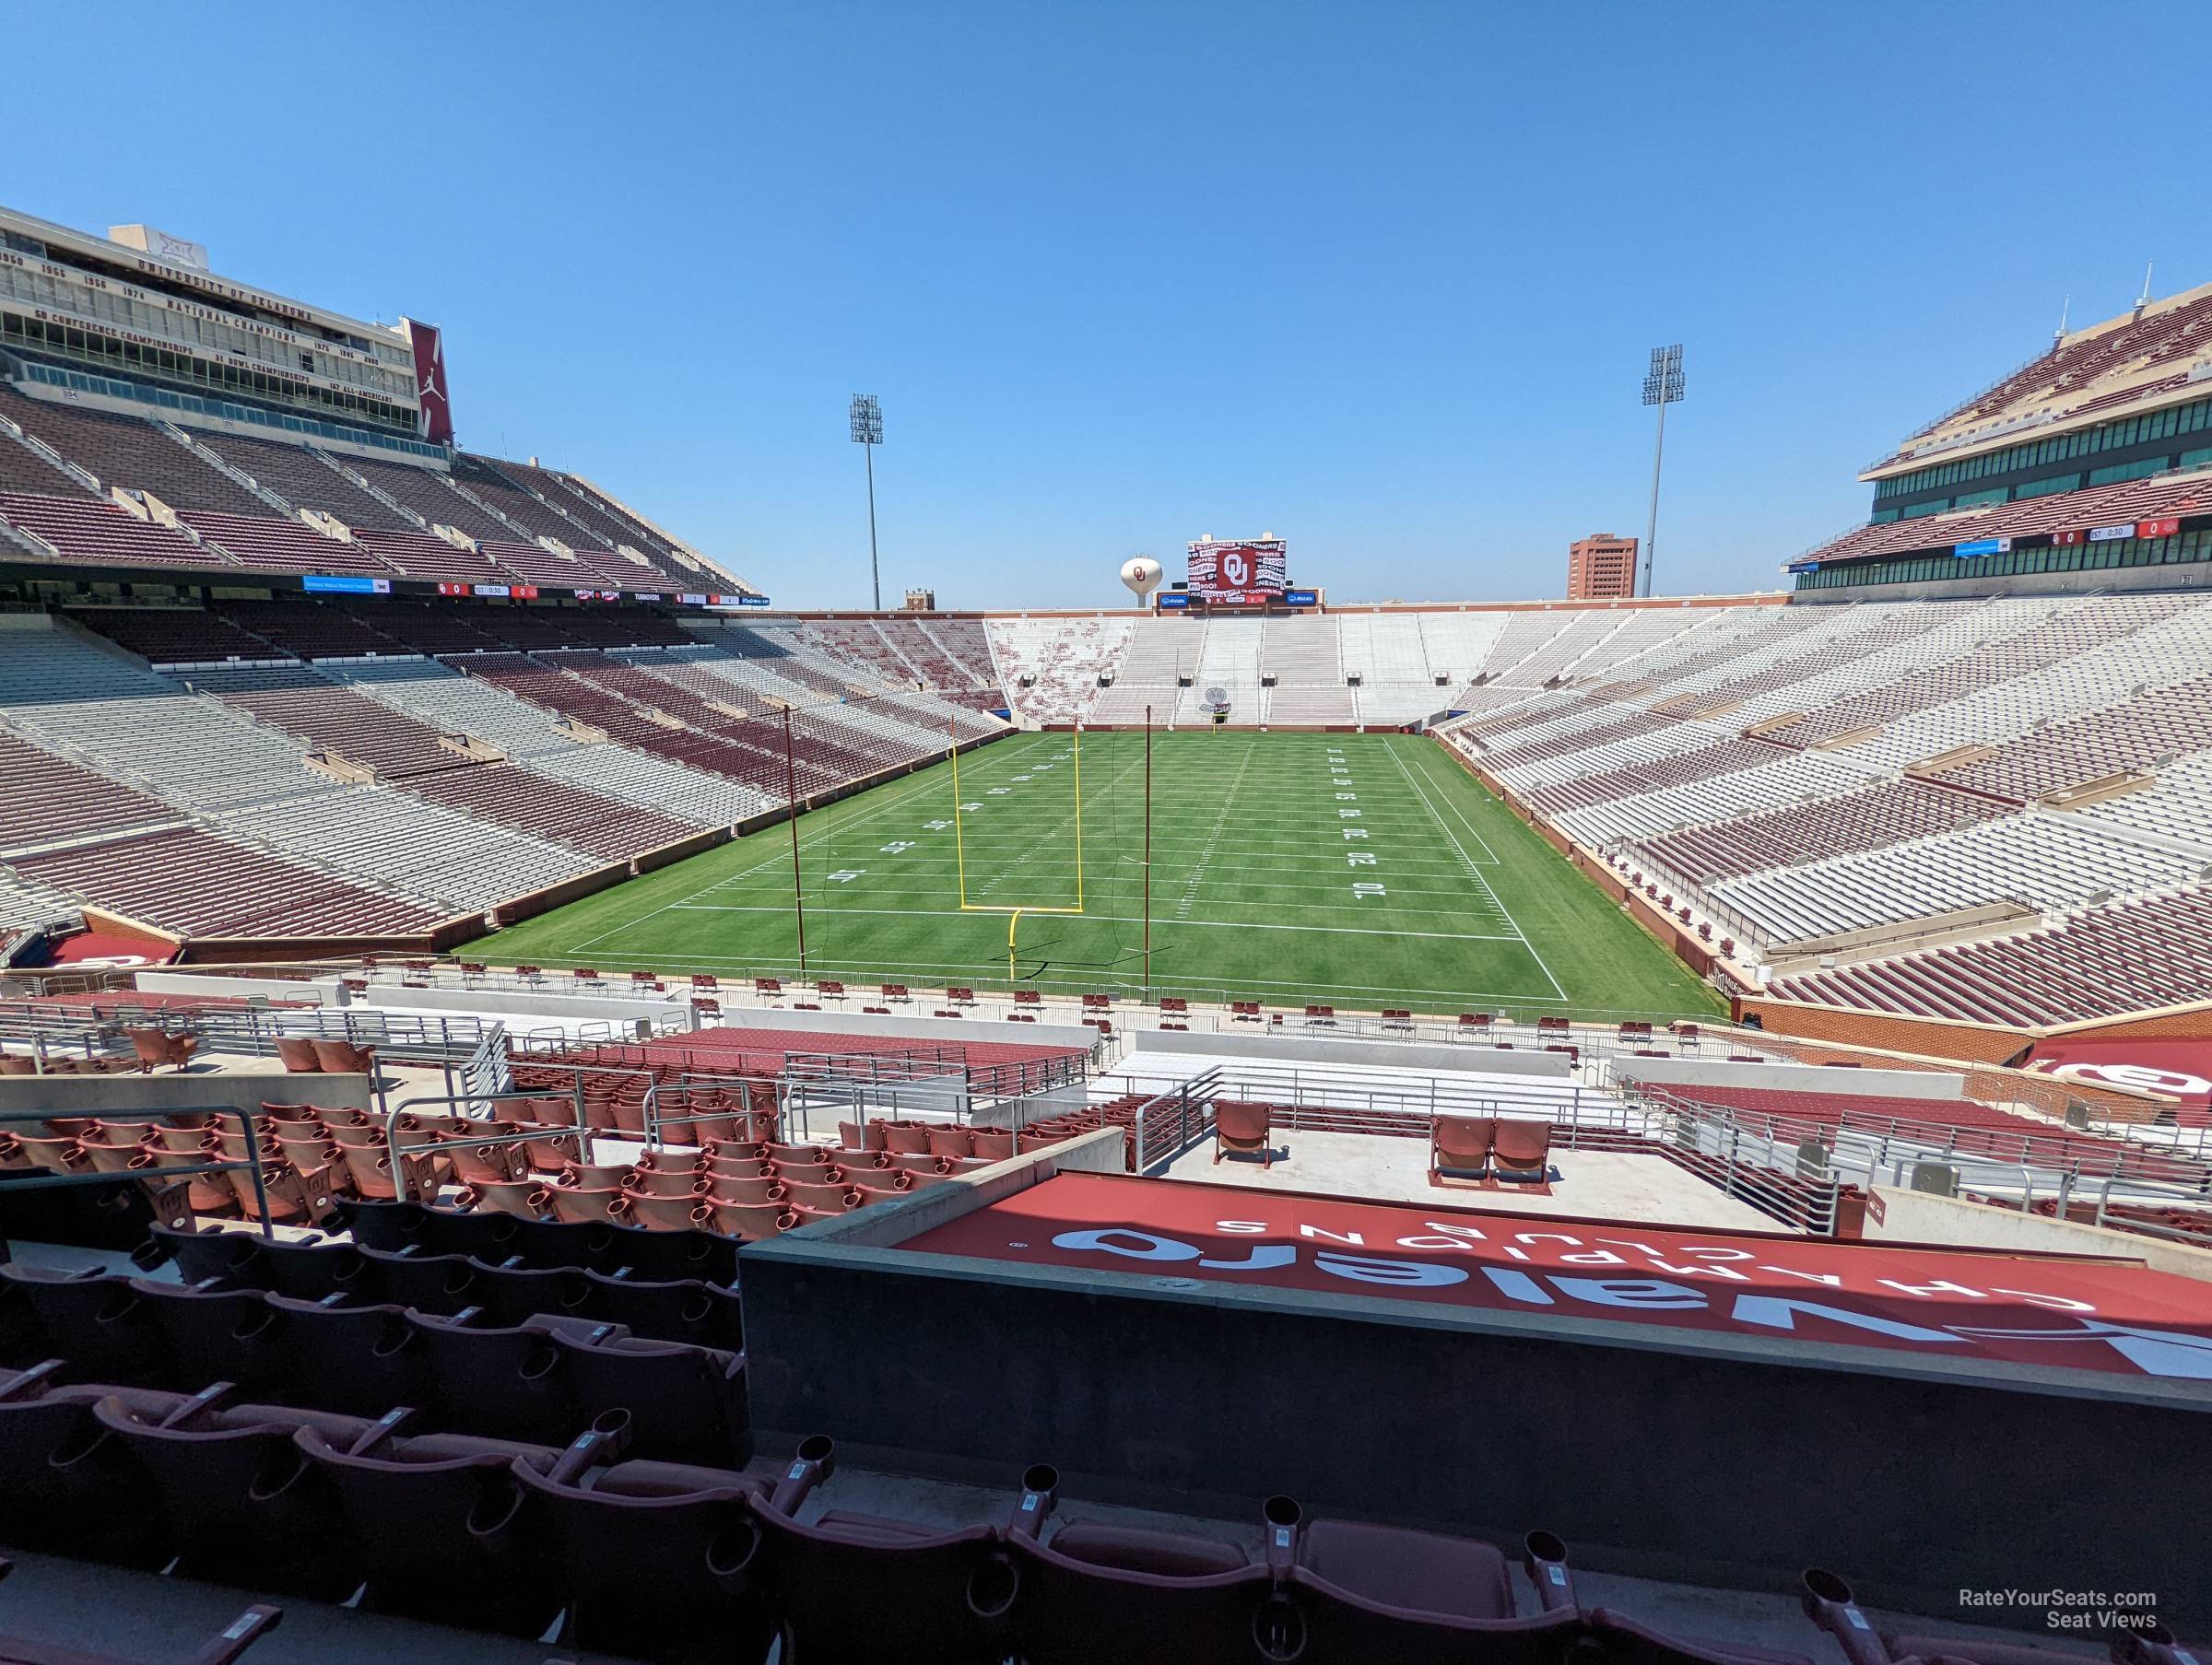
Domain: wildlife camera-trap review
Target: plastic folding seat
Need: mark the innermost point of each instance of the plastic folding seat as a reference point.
(1365, 1591)
(511, 1381)
(511, 1294)
(993, 1147)
(663, 1213)
(687, 1404)
(445, 1530)
(578, 1205)
(684, 1310)
(757, 1191)
(863, 1587)
(235, 1258)
(796, 1154)
(1523, 1151)
(473, 1164)
(657, 1560)
(529, 1198)
(952, 1141)
(550, 1151)
(809, 1173)
(1461, 1144)
(1244, 1127)
(342, 1058)
(1102, 1593)
(751, 1222)
(673, 1182)
(369, 1168)
(298, 1055)
(902, 1185)
(226, 1335)
(427, 1282)
(595, 1176)
(919, 1164)
(65, 1487)
(823, 1198)
(101, 1325)
(360, 1360)
(853, 1136)
(240, 1497)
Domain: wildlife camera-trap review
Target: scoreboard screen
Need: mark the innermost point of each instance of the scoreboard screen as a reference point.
(1244, 572)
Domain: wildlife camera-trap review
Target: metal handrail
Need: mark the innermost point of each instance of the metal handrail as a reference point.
(393, 1130)
(42, 1178)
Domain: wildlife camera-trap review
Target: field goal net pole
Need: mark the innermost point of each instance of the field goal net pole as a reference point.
(960, 846)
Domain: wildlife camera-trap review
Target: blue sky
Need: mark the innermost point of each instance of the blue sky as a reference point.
(1379, 277)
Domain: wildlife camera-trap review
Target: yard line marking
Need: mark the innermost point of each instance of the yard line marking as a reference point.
(1115, 919)
(1205, 856)
(1475, 873)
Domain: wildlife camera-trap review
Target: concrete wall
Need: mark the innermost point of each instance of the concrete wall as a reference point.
(517, 1007)
(121, 1098)
(2193, 575)
(1263, 1050)
(944, 1031)
(1911, 1216)
(1667, 1454)
(1789, 1078)
(323, 991)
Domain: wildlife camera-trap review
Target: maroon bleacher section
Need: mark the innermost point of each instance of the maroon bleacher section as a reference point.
(2141, 732)
(45, 799)
(1873, 818)
(177, 634)
(2123, 956)
(512, 796)
(2063, 636)
(2155, 498)
(195, 884)
(502, 507)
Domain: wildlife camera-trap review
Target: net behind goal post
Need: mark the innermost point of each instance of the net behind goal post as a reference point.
(1014, 910)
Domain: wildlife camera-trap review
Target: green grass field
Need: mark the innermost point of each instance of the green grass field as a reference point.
(1360, 870)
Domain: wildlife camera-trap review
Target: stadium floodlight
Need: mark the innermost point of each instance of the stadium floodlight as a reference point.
(867, 431)
(1663, 387)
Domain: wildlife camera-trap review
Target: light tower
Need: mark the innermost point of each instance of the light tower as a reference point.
(867, 431)
(1663, 387)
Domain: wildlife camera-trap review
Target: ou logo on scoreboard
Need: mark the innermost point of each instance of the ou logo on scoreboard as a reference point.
(1236, 567)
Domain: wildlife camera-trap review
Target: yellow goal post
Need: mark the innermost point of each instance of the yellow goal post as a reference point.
(960, 846)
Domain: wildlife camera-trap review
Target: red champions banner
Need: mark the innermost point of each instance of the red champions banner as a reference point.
(2046, 1311)
(1244, 571)
(2172, 1068)
(436, 423)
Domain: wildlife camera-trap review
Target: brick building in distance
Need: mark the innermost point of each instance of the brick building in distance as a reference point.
(1601, 568)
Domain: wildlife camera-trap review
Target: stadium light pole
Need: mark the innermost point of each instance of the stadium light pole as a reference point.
(1663, 387)
(867, 433)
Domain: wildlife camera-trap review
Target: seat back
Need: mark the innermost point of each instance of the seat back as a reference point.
(1463, 1141)
(1522, 1143)
(1241, 1123)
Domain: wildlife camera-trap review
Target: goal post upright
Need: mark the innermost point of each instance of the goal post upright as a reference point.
(959, 846)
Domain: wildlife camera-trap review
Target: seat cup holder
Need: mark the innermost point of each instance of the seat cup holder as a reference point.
(993, 1584)
(1278, 1629)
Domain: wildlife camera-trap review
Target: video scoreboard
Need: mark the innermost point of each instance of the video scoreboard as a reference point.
(1239, 572)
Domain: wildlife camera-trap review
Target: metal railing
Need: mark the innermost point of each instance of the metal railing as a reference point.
(492, 1137)
(163, 1174)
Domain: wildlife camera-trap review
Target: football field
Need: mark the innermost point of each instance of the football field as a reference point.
(1362, 871)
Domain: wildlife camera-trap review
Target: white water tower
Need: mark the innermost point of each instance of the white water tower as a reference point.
(1142, 575)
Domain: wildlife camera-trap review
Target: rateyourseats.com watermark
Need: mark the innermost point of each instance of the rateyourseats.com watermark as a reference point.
(2070, 1609)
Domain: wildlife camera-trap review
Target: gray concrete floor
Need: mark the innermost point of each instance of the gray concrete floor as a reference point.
(1612, 1185)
